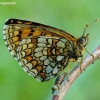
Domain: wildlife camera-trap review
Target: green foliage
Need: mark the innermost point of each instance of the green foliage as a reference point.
(67, 15)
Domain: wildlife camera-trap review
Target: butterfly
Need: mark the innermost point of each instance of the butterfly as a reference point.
(42, 51)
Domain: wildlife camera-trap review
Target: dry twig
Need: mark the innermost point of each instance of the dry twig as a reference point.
(61, 88)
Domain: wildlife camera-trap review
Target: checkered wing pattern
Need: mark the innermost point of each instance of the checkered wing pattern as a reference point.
(43, 51)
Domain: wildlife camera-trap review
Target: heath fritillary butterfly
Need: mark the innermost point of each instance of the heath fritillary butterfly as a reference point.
(43, 51)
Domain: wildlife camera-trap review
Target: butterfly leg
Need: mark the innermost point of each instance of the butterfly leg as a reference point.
(68, 73)
(82, 59)
(89, 53)
(80, 63)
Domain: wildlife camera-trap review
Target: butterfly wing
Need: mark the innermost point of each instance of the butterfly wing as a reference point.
(40, 49)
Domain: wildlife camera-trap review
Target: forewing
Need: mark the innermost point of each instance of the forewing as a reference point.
(16, 30)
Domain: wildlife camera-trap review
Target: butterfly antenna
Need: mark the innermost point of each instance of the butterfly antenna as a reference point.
(87, 26)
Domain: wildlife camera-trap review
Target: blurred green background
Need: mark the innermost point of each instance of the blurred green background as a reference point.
(68, 15)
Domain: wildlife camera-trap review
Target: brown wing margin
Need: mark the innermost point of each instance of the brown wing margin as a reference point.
(49, 28)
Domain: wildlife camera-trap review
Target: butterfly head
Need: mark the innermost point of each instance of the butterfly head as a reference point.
(84, 39)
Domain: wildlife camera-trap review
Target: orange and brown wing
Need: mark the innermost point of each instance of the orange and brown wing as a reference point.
(15, 30)
(41, 50)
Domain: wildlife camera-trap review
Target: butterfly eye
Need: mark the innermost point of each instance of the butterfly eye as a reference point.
(83, 41)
